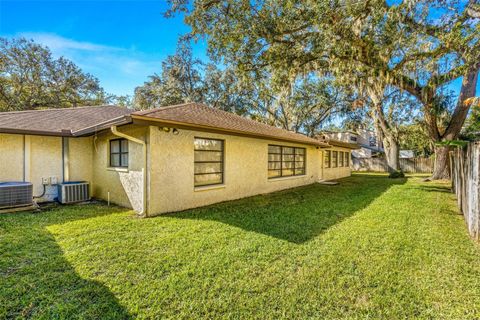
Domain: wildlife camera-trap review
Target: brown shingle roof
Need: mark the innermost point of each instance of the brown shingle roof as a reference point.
(197, 115)
(338, 143)
(63, 122)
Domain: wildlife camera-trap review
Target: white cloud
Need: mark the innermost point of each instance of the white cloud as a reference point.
(58, 43)
(119, 70)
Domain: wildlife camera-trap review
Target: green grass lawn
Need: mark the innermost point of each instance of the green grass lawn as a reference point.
(369, 247)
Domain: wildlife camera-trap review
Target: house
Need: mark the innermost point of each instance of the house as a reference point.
(161, 160)
(369, 142)
(406, 154)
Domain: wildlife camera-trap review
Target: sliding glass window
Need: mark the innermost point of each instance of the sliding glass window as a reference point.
(208, 162)
(327, 159)
(334, 159)
(285, 161)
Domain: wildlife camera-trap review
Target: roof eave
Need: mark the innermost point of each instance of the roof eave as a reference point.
(63, 133)
(122, 120)
(192, 126)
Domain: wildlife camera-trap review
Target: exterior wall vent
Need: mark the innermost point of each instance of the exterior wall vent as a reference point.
(15, 194)
(72, 192)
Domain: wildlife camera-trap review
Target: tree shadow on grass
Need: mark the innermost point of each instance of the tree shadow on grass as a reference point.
(300, 214)
(427, 188)
(37, 281)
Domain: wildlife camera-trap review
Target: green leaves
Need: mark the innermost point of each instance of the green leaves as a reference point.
(31, 78)
(453, 143)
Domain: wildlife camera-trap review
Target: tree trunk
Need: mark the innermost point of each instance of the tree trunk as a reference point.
(384, 129)
(441, 169)
(392, 153)
(469, 83)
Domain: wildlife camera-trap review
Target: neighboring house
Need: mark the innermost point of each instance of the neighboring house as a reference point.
(406, 154)
(161, 160)
(368, 141)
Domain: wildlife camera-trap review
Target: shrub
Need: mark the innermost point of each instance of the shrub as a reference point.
(396, 174)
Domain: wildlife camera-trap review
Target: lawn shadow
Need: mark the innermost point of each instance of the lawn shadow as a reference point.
(427, 188)
(37, 280)
(300, 214)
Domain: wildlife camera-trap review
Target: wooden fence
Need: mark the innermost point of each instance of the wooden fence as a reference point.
(413, 165)
(465, 173)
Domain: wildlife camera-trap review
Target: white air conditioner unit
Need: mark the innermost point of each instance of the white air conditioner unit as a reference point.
(72, 192)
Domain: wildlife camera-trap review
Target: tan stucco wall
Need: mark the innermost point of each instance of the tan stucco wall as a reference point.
(41, 157)
(45, 161)
(245, 173)
(80, 151)
(11, 157)
(122, 186)
(339, 172)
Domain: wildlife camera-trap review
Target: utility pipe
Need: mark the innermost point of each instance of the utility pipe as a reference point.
(144, 169)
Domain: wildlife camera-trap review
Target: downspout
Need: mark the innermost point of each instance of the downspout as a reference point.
(65, 159)
(24, 161)
(144, 169)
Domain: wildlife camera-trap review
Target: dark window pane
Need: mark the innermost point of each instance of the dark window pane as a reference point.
(299, 165)
(124, 160)
(208, 144)
(300, 151)
(208, 162)
(115, 160)
(274, 165)
(291, 161)
(274, 157)
(208, 156)
(274, 149)
(299, 171)
(208, 167)
(274, 173)
(288, 165)
(299, 158)
(207, 179)
(124, 145)
(115, 146)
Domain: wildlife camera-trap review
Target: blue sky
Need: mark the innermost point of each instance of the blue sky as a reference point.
(119, 42)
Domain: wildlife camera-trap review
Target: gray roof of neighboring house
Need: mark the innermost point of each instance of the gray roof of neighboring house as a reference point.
(63, 122)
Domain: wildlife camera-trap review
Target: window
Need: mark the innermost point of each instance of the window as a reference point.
(285, 161)
(334, 159)
(327, 159)
(119, 153)
(208, 162)
(340, 159)
(347, 159)
(353, 138)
